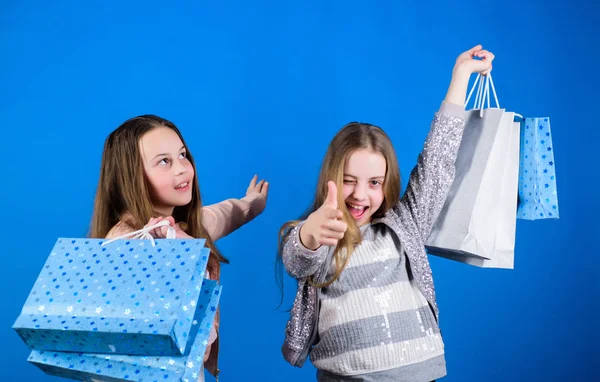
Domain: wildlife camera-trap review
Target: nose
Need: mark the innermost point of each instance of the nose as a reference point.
(179, 168)
(359, 192)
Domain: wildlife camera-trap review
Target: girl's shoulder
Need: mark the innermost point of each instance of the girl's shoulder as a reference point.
(119, 229)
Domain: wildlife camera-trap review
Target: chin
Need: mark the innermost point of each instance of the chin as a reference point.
(362, 221)
(181, 202)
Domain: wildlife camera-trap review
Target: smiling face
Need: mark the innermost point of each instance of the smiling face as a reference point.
(169, 172)
(363, 192)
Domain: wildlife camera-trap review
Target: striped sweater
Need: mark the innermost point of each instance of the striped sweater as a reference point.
(374, 318)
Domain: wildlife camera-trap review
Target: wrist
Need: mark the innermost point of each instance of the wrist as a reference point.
(307, 239)
(461, 72)
(457, 91)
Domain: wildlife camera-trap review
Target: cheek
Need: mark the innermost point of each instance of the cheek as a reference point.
(158, 181)
(190, 169)
(377, 198)
(347, 190)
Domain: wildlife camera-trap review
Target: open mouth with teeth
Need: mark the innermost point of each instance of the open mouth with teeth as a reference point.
(182, 186)
(356, 211)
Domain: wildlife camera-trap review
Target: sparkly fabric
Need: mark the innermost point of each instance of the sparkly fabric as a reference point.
(411, 219)
(414, 215)
(374, 317)
(301, 327)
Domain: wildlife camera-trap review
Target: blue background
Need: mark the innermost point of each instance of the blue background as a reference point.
(262, 87)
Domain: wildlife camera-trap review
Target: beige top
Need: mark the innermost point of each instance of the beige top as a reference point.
(219, 219)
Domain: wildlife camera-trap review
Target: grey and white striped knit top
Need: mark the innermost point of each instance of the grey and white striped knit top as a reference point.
(374, 318)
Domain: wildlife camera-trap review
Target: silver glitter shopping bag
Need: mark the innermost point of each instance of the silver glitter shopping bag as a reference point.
(478, 221)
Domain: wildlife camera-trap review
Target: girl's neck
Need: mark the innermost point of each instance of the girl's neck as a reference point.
(162, 211)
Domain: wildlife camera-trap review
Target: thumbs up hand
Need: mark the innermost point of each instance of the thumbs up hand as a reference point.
(324, 226)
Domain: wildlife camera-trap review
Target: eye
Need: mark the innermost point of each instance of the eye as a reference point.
(163, 161)
(375, 183)
(183, 155)
(349, 181)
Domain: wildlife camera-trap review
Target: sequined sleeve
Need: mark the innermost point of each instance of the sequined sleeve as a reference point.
(431, 178)
(299, 261)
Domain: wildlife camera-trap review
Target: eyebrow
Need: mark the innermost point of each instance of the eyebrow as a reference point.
(374, 177)
(164, 155)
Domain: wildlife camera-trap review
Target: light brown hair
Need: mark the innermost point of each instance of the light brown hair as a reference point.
(354, 136)
(123, 193)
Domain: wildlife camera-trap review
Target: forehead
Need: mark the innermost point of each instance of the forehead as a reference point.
(160, 140)
(365, 163)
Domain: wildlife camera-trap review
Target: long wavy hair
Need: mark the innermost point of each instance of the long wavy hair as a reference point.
(123, 193)
(354, 136)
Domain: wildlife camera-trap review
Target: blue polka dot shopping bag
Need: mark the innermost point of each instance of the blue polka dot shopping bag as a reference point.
(122, 296)
(538, 198)
(104, 367)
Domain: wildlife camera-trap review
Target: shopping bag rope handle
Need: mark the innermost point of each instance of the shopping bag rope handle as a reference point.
(144, 233)
(479, 98)
(482, 83)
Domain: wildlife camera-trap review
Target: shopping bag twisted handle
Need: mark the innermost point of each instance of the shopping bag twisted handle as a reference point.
(482, 97)
(144, 233)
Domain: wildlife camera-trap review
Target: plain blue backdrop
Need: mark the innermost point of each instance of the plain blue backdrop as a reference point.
(262, 87)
